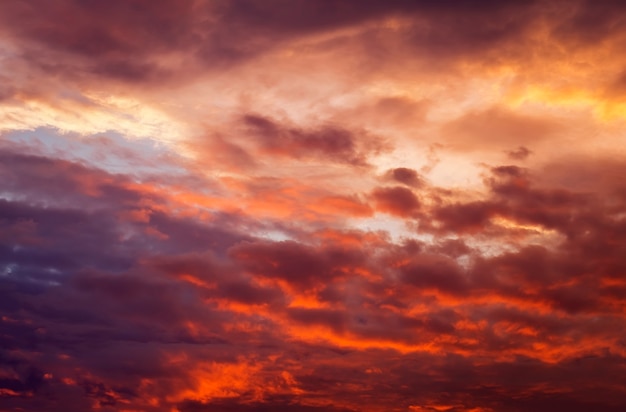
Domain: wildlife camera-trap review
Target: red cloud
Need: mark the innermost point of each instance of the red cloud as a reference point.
(397, 200)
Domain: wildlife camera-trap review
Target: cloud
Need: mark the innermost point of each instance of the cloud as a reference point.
(217, 305)
(326, 143)
(520, 153)
(496, 127)
(396, 200)
(297, 264)
(405, 176)
(467, 217)
(237, 205)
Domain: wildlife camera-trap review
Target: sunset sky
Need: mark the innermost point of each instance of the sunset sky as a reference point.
(312, 205)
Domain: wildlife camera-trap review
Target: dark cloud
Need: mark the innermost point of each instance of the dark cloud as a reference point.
(406, 176)
(335, 319)
(326, 143)
(98, 39)
(26, 380)
(120, 40)
(396, 200)
(123, 40)
(467, 217)
(452, 247)
(434, 272)
(520, 153)
(590, 22)
(279, 405)
(106, 320)
(294, 262)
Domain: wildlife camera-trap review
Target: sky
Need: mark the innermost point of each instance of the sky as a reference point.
(316, 206)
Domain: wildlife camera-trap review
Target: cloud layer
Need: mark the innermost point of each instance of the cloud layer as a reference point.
(303, 206)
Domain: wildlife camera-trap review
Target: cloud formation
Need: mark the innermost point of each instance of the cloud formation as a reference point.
(301, 206)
